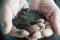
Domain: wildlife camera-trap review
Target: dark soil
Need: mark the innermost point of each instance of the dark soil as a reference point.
(26, 17)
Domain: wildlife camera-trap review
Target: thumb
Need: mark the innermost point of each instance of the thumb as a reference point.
(47, 7)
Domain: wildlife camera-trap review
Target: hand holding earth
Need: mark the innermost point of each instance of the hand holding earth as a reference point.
(40, 31)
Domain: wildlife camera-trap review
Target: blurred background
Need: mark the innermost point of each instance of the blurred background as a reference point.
(8, 37)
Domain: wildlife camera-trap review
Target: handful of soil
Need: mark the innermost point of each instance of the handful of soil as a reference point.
(26, 17)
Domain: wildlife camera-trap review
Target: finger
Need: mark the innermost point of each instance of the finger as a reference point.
(32, 39)
(40, 21)
(19, 33)
(37, 35)
(47, 24)
(55, 21)
(47, 32)
(23, 33)
(47, 7)
(33, 28)
(41, 25)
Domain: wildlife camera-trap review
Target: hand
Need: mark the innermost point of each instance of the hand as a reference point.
(9, 10)
(52, 13)
(40, 30)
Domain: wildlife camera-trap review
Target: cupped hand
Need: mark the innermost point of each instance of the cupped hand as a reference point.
(52, 13)
(40, 30)
(50, 10)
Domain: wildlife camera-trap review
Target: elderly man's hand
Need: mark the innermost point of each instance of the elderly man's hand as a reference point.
(40, 30)
(9, 10)
(52, 13)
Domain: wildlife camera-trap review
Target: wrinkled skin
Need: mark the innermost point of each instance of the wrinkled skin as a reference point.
(9, 10)
(48, 7)
(51, 11)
